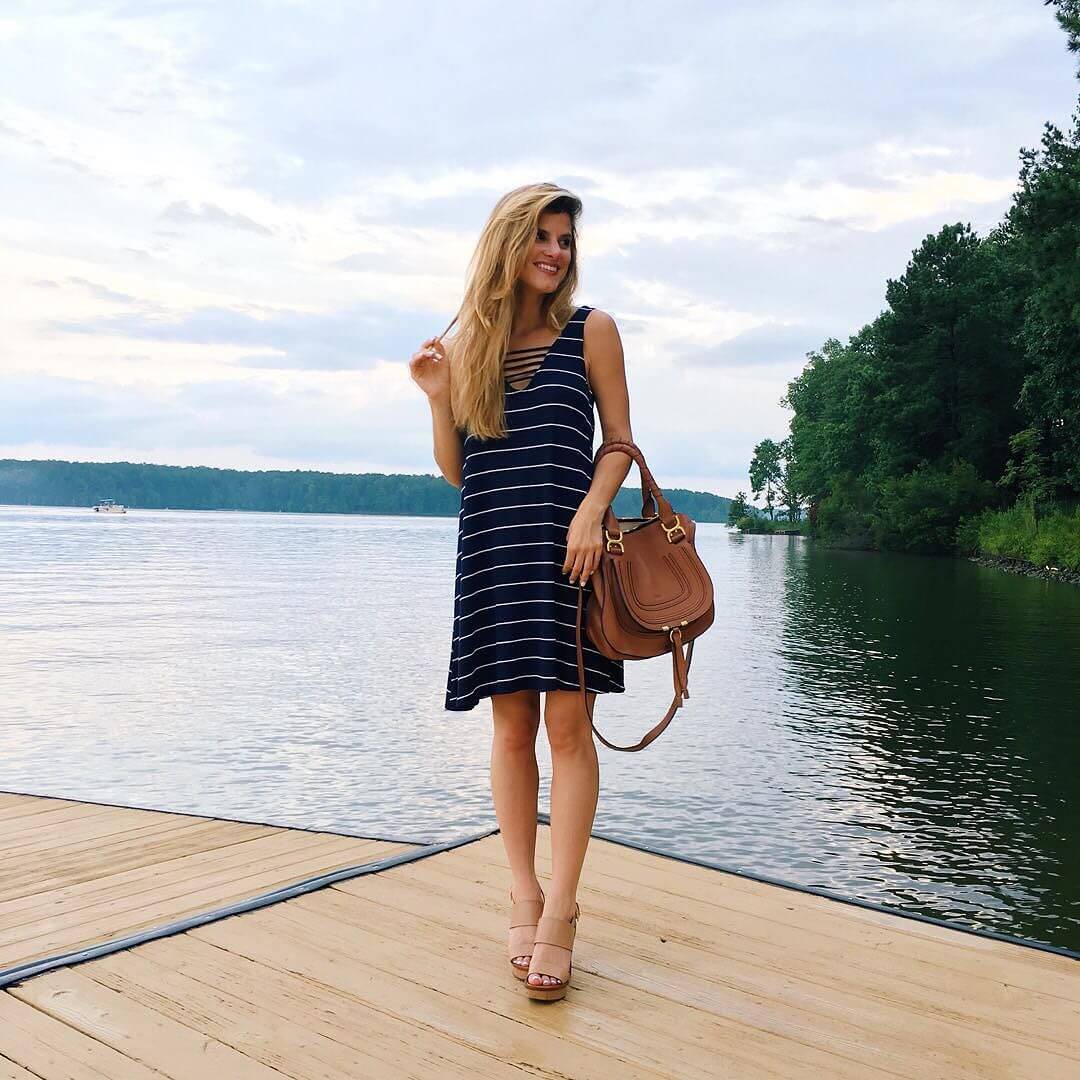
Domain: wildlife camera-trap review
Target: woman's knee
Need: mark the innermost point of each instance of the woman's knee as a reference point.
(517, 718)
(566, 722)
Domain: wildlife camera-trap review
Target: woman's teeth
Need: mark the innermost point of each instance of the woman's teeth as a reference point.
(548, 268)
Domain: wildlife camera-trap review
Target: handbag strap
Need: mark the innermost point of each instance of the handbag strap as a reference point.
(681, 668)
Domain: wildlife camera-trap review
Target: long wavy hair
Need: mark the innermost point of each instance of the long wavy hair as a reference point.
(486, 315)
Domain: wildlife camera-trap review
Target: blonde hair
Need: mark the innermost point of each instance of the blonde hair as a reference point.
(486, 314)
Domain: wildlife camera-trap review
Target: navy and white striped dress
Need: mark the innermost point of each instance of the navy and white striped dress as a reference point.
(514, 608)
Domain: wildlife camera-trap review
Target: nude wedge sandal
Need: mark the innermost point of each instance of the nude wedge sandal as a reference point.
(524, 916)
(560, 932)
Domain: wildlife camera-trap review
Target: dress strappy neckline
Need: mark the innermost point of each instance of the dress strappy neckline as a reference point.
(522, 365)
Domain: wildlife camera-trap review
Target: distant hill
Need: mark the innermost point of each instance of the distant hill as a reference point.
(197, 487)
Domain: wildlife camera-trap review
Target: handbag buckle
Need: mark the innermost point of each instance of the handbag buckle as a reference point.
(613, 540)
(677, 527)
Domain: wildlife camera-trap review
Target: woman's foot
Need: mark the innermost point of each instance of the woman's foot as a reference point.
(526, 909)
(551, 966)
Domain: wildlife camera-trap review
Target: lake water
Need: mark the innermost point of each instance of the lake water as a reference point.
(897, 729)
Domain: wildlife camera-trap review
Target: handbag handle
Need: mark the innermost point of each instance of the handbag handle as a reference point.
(649, 487)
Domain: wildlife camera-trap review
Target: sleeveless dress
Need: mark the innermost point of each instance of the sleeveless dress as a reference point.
(514, 609)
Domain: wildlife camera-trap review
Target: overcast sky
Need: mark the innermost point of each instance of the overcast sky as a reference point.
(226, 226)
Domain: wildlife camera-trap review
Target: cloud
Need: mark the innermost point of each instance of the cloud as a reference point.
(771, 343)
(350, 339)
(246, 419)
(99, 291)
(208, 214)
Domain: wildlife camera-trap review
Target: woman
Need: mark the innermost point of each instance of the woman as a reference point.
(513, 429)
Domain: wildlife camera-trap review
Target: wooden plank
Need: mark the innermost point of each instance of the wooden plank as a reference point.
(36, 857)
(83, 864)
(891, 969)
(101, 872)
(771, 910)
(152, 876)
(89, 833)
(209, 872)
(599, 1015)
(495, 1019)
(142, 1034)
(763, 992)
(10, 1071)
(278, 861)
(28, 806)
(37, 891)
(69, 821)
(402, 1045)
(292, 1044)
(639, 867)
(9, 798)
(239, 842)
(50, 1049)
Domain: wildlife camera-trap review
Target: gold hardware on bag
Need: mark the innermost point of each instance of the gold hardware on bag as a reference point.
(673, 530)
(614, 540)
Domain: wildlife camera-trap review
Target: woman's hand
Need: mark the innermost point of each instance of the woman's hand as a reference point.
(430, 369)
(584, 543)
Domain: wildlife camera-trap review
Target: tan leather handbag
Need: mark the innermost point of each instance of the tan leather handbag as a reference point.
(651, 593)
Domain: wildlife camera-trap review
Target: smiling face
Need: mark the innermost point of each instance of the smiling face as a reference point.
(549, 257)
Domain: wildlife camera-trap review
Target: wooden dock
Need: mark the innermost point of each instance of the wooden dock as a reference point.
(679, 971)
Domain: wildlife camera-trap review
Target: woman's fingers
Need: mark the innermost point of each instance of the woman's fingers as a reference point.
(582, 563)
(577, 567)
(429, 348)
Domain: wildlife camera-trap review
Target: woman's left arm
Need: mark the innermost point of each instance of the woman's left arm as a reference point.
(607, 377)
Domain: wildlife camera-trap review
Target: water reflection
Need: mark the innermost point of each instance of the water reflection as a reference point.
(935, 699)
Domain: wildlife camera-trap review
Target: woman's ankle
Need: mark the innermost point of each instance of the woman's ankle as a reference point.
(560, 907)
(527, 889)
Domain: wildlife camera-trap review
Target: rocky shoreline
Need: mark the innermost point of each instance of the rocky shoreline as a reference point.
(1020, 566)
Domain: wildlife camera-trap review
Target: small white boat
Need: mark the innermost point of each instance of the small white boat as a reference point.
(108, 506)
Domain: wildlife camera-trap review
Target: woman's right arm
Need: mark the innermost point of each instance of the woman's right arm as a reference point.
(430, 370)
(449, 452)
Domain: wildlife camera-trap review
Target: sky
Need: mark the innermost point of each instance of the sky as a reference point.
(225, 227)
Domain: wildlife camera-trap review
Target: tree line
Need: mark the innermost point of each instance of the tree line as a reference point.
(298, 491)
(951, 422)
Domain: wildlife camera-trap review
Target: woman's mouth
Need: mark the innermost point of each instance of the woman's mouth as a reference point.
(546, 267)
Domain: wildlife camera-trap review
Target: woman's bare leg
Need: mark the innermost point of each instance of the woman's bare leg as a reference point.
(575, 789)
(515, 784)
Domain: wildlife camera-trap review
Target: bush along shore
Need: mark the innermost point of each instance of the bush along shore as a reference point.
(1020, 566)
(950, 424)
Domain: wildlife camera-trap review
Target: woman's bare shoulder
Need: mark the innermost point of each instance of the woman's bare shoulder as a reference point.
(600, 332)
(599, 319)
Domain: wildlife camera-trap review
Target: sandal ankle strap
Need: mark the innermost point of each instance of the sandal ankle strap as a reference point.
(526, 912)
